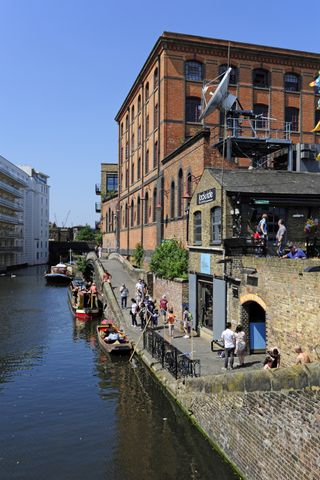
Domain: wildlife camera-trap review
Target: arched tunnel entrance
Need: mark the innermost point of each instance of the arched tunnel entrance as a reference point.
(254, 319)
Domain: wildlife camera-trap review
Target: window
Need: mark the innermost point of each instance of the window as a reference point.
(147, 126)
(132, 213)
(120, 219)
(233, 79)
(112, 182)
(121, 129)
(197, 227)
(193, 106)
(155, 79)
(139, 104)
(132, 142)
(121, 154)
(139, 135)
(262, 113)
(146, 208)
(127, 122)
(139, 169)
(172, 202)
(138, 211)
(194, 71)
(155, 154)
(260, 78)
(180, 193)
(292, 82)
(147, 91)
(127, 178)
(109, 221)
(127, 150)
(132, 172)
(156, 116)
(132, 114)
(292, 116)
(126, 216)
(216, 224)
(146, 164)
(189, 185)
(154, 205)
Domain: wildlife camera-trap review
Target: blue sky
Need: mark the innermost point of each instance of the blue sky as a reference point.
(67, 65)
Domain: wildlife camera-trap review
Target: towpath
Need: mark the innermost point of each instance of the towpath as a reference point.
(211, 363)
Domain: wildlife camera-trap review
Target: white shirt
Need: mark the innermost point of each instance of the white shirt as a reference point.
(229, 338)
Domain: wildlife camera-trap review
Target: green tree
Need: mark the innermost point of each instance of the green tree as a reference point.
(170, 260)
(138, 255)
(86, 233)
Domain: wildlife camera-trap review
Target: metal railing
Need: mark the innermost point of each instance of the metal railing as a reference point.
(179, 364)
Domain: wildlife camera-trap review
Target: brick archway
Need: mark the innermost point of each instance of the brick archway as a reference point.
(250, 297)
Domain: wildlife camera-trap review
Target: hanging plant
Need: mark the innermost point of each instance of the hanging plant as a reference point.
(310, 227)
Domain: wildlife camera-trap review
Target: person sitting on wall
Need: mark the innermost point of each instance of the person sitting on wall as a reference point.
(302, 357)
(106, 277)
(295, 253)
(267, 363)
(275, 355)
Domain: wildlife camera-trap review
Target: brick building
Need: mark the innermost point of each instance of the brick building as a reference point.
(163, 148)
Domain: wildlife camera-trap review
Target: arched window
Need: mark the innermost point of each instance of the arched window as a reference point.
(132, 213)
(292, 82)
(121, 129)
(132, 113)
(139, 211)
(194, 71)
(155, 79)
(292, 116)
(216, 224)
(146, 208)
(126, 216)
(132, 142)
(139, 169)
(172, 202)
(127, 122)
(233, 79)
(146, 165)
(120, 219)
(132, 172)
(139, 104)
(139, 135)
(262, 113)
(155, 154)
(106, 226)
(197, 227)
(180, 193)
(154, 205)
(109, 221)
(112, 221)
(193, 108)
(156, 116)
(147, 126)
(189, 185)
(261, 78)
(147, 91)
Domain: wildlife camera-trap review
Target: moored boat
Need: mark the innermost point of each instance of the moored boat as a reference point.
(113, 340)
(85, 306)
(59, 275)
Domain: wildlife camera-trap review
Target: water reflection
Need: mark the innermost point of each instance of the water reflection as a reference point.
(70, 411)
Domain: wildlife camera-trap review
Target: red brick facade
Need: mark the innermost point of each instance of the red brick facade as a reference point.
(154, 123)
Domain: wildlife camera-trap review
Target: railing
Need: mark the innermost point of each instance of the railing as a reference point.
(179, 364)
(10, 204)
(9, 219)
(9, 188)
(98, 207)
(98, 189)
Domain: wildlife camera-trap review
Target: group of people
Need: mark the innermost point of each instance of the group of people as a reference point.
(260, 237)
(84, 295)
(235, 343)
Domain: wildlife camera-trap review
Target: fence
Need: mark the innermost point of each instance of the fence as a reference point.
(179, 364)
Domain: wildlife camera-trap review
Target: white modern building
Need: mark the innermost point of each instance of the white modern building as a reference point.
(24, 215)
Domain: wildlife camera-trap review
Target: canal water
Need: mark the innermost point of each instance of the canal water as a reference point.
(67, 411)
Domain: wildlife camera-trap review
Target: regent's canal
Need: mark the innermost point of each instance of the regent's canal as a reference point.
(69, 412)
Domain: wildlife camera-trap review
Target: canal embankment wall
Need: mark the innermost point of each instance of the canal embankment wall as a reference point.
(266, 423)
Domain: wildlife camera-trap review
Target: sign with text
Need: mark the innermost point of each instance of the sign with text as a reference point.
(207, 196)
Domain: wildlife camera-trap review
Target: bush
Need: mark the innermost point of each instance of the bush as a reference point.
(170, 260)
(138, 255)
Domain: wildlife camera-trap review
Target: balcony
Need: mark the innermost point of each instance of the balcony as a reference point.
(98, 207)
(10, 204)
(13, 190)
(98, 189)
(12, 176)
(9, 219)
(10, 234)
(11, 249)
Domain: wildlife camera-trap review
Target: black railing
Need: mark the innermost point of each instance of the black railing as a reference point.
(179, 364)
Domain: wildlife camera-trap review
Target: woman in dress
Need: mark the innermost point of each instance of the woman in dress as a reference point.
(240, 345)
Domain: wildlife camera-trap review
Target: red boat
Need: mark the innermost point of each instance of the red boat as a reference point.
(85, 306)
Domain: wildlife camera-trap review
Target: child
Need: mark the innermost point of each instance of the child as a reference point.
(155, 317)
(171, 319)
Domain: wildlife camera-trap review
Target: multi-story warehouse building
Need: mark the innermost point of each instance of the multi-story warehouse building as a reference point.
(24, 215)
(163, 147)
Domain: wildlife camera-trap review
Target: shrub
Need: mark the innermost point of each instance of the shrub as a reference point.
(170, 260)
(138, 255)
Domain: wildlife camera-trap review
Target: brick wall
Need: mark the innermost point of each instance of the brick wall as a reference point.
(266, 423)
(175, 291)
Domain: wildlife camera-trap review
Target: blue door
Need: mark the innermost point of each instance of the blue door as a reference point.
(257, 336)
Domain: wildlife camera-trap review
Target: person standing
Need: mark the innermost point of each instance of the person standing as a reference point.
(263, 230)
(281, 237)
(99, 251)
(124, 292)
(171, 320)
(133, 312)
(186, 322)
(142, 315)
(229, 342)
(164, 308)
(240, 345)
